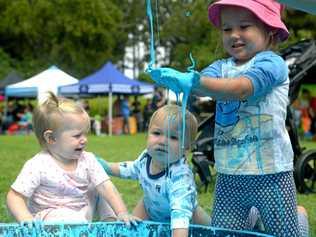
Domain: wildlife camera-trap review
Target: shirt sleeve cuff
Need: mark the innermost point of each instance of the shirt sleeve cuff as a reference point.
(19, 189)
(180, 223)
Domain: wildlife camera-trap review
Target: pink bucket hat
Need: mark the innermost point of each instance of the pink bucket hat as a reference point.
(268, 11)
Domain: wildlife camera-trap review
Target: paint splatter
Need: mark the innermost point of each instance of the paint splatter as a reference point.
(112, 229)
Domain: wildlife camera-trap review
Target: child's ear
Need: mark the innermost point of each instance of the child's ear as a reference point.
(49, 137)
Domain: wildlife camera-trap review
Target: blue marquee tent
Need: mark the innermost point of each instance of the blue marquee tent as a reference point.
(107, 80)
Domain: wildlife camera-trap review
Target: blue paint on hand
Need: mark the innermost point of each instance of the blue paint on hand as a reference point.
(178, 82)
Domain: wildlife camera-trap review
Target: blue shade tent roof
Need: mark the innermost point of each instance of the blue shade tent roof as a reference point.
(107, 79)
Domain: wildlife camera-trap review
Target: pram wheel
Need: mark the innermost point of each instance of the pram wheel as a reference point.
(305, 172)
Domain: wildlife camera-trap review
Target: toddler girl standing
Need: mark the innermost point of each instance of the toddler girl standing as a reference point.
(253, 153)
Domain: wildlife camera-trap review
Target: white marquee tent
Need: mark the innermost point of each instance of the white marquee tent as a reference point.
(38, 85)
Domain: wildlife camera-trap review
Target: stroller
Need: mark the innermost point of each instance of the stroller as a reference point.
(301, 58)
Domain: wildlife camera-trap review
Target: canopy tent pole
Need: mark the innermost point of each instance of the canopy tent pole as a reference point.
(99, 104)
(5, 109)
(110, 114)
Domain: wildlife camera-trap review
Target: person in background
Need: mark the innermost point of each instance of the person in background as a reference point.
(158, 99)
(147, 113)
(297, 113)
(137, 112)
(313, 112)
(125, 112)
(117, 106)
(252, 149)
(9, 117)
(97, 124)
(56, 183)
(25, 122)
(307, 113)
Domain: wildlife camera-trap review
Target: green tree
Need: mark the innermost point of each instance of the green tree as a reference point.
(77, 35)
(135, 23)
(184, 28)
(301, 25)
(5, 64)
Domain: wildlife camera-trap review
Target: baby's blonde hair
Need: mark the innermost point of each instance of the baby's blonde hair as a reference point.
(174, 111)
(48, 114)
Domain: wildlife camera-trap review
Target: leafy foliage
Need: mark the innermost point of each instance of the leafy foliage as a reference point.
(81, 35)
(5, 64)
(78, 35)
(185, 28)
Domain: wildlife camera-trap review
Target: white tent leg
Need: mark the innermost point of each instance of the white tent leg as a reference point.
(110, 114)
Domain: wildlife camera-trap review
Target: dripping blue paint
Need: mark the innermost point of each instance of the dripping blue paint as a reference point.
(112, 229)
(156, 73)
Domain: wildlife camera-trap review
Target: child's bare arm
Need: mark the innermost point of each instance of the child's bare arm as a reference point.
(200, 217)
(109, 192)
(180, 232)
(111, 168)
(115, 168)
(17, 206)
(139, 210)
(226, 88)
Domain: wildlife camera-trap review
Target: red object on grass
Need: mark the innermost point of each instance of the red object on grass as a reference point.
(13, 128)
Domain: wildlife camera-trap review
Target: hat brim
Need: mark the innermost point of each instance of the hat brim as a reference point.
(269, 18)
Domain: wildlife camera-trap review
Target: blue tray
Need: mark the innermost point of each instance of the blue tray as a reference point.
(113, 229)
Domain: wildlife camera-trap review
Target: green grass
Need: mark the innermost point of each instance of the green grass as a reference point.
(15, 150)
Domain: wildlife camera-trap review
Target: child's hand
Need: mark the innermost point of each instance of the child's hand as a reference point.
(175, 80)
(128, 219)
